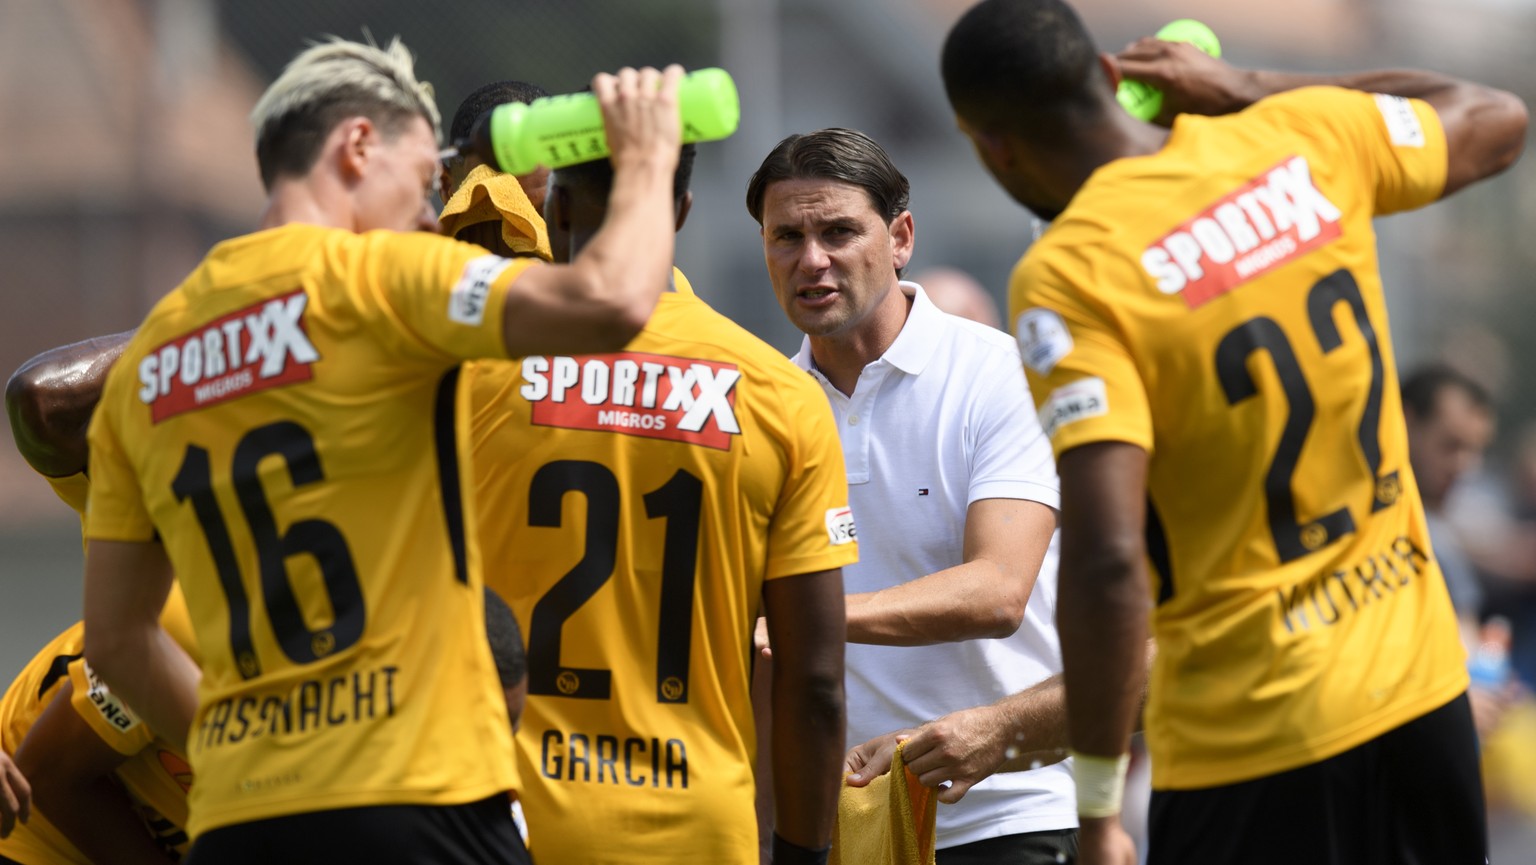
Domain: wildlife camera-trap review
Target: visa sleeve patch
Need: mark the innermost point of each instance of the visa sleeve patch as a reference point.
(840, 528)
(1403, 125)
(1043, 339)
(468, 300)
(110, 707)
(1082, 399)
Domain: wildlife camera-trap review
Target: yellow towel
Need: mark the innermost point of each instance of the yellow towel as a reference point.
(887, 821)
(488, 195)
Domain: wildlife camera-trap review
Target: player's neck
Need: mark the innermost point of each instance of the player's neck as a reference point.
(302, 200)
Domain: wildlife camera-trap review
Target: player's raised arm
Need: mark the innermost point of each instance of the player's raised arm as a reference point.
(1484, 126)
(605, 295)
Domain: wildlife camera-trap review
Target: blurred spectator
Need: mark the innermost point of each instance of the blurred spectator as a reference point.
(958, 293)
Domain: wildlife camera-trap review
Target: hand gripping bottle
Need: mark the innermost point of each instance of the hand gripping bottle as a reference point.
(1143, 100)
(557, 131)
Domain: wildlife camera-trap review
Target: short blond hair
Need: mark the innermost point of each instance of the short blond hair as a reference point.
(327, 83)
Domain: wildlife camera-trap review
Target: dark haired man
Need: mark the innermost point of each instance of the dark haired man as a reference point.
(951, 603)
(1205, 333)
(476, 210)
(640, 507)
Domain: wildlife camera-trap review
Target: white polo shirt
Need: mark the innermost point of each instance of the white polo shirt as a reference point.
(941, 420)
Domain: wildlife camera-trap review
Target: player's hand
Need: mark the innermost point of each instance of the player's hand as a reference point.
(1103, 841)
(760, 642)
(872, 759)
(1192, 81)
(961, 749)
(641, 116)
(15, 796)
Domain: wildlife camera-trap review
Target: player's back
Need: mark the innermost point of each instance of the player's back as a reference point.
(633, 504)
(285, 420)
(1235, 276)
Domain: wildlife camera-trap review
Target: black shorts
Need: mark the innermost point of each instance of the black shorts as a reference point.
(1050, 847)
(1412, 796)
(479, 832)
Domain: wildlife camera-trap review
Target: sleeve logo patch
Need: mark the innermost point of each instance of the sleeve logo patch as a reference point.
(467, 301)
(840, 528)
(111, 708)
(1082, 399)
(1043, 339)
(1403, 125)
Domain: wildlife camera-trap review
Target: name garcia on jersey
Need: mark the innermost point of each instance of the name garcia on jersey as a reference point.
(1251, 230)
(250, 350)
(635, 393)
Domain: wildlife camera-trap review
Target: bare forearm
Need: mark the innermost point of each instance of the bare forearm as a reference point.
(808, 740)
(1102, 620)
(1037, 720)
(976, 600)
(152, 674)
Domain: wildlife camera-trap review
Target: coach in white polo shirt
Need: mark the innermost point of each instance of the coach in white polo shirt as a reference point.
(952, 482)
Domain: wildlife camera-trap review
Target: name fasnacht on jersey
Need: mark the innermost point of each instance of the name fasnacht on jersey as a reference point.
(633, 761)
(635, 393)
(1251, 230)
(250, 350)
(300, 709)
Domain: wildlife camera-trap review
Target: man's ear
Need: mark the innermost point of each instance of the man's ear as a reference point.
(682, 210)
(903, 239)
(1111, 68)
(358, 136)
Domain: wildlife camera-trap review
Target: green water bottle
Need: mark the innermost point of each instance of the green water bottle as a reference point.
(556, 131)
(1143, 100)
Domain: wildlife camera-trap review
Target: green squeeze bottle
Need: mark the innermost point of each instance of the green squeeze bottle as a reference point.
(1143, 100)
(557, 131)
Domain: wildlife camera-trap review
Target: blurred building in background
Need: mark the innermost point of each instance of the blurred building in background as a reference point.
(127, 152)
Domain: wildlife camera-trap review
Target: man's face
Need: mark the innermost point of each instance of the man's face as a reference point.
(831, 257)
(395, 188)
(1448, 443)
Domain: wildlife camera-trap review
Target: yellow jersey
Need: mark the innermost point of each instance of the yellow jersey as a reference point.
(634, 503)
(155, 774)
(284, 423)
(1219, 304)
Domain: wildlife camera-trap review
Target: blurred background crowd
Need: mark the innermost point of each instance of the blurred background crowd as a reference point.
(127, 153)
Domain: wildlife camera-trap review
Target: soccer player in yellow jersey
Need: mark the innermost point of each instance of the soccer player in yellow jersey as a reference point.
(281, 431)
(1205, 334)
(638, 508)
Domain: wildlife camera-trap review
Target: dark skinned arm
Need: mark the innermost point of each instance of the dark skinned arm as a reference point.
(806, 624)
(1484, 127)
(15, 795)
(1101, 615)
(50, 400)
(71, 768)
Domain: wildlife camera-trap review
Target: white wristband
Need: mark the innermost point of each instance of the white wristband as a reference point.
(1100, 783)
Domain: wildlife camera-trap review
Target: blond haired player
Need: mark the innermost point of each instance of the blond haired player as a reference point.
(646, 504)
(278, 431)
(1205, 334)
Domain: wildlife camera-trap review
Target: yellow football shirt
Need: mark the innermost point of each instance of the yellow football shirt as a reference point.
(1219, 304)
(154, 774)
(283, 421)
(633, 505)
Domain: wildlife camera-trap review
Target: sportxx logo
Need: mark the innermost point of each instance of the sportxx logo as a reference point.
(635, 393)
(245, 352)
(1254, 229)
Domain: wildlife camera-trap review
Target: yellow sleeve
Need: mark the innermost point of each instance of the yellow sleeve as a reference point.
(1081, 374)
(442, 296)
(72, 490)
(115, 508)
(105, 714)
(813, 527)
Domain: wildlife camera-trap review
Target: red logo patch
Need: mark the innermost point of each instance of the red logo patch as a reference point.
(1273, 219)
(248, 351)
(635, 393)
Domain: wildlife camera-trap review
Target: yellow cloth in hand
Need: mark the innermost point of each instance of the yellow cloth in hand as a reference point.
(488, 195)
(891, 820)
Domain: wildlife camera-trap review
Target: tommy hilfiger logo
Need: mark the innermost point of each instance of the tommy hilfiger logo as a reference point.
(922, 491)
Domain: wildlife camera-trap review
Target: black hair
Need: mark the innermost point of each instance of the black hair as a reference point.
(1022, 66)
(485, 98)
(832, 154)
(1422, 388)
(596, 177)
(506, 640)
